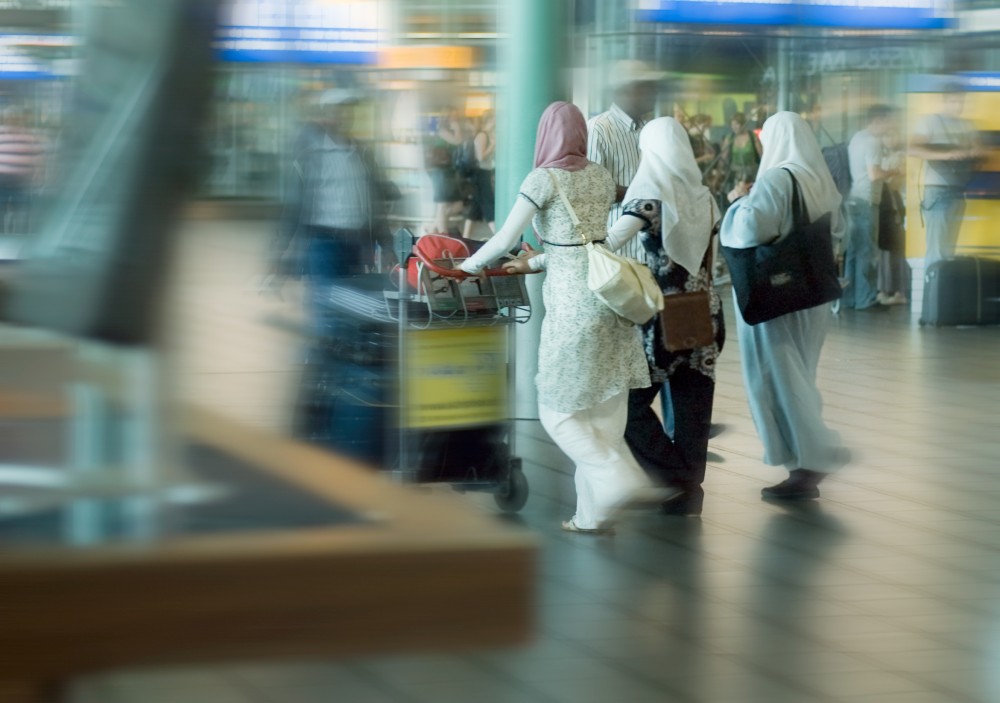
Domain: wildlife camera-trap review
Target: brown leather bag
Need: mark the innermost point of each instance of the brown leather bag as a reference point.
(686, 318)
(686, 321)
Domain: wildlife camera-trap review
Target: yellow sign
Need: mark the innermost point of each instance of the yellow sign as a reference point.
(425, 56)
(977, 236)
(456, 377)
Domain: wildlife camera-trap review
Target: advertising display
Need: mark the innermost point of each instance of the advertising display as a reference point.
(456, 377)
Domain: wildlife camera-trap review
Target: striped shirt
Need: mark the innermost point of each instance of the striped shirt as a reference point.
(613, 142)
(21, 154)
(338, 185)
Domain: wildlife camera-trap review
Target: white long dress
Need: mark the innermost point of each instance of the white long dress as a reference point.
(586, 355)
(587, 360)
(780, 357)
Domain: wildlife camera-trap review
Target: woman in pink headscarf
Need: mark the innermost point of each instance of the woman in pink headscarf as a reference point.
(587, 360)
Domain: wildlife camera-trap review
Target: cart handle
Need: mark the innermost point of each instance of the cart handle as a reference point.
(456, 272)
(525, 247)
(440, 270)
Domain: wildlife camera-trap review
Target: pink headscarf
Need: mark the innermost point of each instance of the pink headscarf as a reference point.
(562, 138)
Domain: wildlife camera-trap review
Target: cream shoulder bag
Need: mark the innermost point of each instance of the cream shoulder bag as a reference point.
(623, 284)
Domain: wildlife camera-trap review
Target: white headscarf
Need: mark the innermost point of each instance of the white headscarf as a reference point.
(669, 173)
(789, 142)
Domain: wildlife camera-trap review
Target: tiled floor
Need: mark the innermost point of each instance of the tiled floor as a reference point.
(887, 589)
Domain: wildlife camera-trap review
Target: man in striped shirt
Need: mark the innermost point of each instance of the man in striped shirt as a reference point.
(613, 140)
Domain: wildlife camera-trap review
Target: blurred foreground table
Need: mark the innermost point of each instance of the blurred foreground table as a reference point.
(290, 552)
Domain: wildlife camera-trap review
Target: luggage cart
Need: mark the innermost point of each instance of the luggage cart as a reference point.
(415, 377)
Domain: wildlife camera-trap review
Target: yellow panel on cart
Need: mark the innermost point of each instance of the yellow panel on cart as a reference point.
(455, 377)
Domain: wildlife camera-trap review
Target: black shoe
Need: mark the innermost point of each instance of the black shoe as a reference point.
(686, 504)
(801, 484)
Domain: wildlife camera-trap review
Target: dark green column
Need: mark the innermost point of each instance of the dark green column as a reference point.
(533, 73)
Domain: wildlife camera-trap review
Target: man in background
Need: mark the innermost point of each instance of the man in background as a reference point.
(866, 154)
(950, 147)
(334, 210)
(613, 136)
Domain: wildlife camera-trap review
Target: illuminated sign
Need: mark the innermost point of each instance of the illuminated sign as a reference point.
(426, 57)
(859, 14)
(256, 31)
(299, 31)
(981, 82)
(36, 4)
(20, 59)
(19, 68)
(972, 82)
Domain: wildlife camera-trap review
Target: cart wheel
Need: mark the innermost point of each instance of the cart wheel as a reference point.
(513, 493)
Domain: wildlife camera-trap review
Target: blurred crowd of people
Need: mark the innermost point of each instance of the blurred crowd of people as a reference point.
(460, 158)
(659, 190)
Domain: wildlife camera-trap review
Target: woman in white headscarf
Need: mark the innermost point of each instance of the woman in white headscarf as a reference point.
(780, 357)
(674, 215)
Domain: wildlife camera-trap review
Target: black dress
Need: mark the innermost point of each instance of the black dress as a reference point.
(686, 378)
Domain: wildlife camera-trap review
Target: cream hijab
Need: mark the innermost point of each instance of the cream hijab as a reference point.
(789, 142)
(669, 173)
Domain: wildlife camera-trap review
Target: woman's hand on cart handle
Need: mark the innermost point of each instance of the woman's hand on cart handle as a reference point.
(522, 264)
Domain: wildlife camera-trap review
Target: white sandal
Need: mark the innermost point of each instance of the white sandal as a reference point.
(571, 526)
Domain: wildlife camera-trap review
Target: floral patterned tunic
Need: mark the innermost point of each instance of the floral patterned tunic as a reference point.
(586, 355)
(674, 279)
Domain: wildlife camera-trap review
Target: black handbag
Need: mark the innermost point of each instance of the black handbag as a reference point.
(891, 211)
(786, 275)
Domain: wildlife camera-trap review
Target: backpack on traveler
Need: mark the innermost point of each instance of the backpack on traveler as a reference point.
(839, 163)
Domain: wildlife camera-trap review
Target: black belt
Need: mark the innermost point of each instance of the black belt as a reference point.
(581, 244)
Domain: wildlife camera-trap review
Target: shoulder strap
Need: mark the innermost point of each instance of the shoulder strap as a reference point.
(565, 200)
(709, 263)
(799, 216)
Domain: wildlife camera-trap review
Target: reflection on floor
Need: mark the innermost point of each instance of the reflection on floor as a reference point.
(887, 589)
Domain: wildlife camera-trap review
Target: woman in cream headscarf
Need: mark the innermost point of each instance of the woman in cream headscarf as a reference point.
(675, 215)
(587, 360)
(780, 357)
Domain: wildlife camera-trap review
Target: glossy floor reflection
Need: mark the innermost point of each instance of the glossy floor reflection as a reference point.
(887, 589)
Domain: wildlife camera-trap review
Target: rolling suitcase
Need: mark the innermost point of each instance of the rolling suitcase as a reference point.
(962, 291)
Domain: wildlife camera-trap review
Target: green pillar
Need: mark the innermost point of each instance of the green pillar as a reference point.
(533, 74)
(533, 63)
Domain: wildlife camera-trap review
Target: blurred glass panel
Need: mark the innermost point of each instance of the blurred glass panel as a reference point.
(124, 161)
